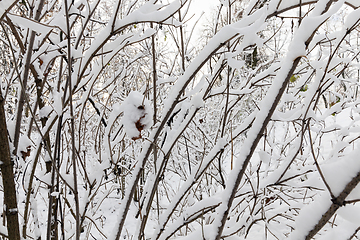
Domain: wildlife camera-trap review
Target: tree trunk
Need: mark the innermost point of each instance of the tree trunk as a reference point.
(7, 172)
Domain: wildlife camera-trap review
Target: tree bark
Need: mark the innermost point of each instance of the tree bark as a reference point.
(6, 166)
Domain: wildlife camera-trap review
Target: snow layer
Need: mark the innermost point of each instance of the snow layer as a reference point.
(352, 19)
(40, 28)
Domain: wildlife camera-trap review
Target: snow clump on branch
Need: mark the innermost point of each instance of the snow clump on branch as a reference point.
(137, 115)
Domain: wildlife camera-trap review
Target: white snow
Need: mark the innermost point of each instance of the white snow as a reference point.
(40, 28)
(352, 19)
(4, 5)
(316, 209)
(137, 109)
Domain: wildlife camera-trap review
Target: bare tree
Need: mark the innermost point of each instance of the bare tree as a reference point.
(112, 109)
